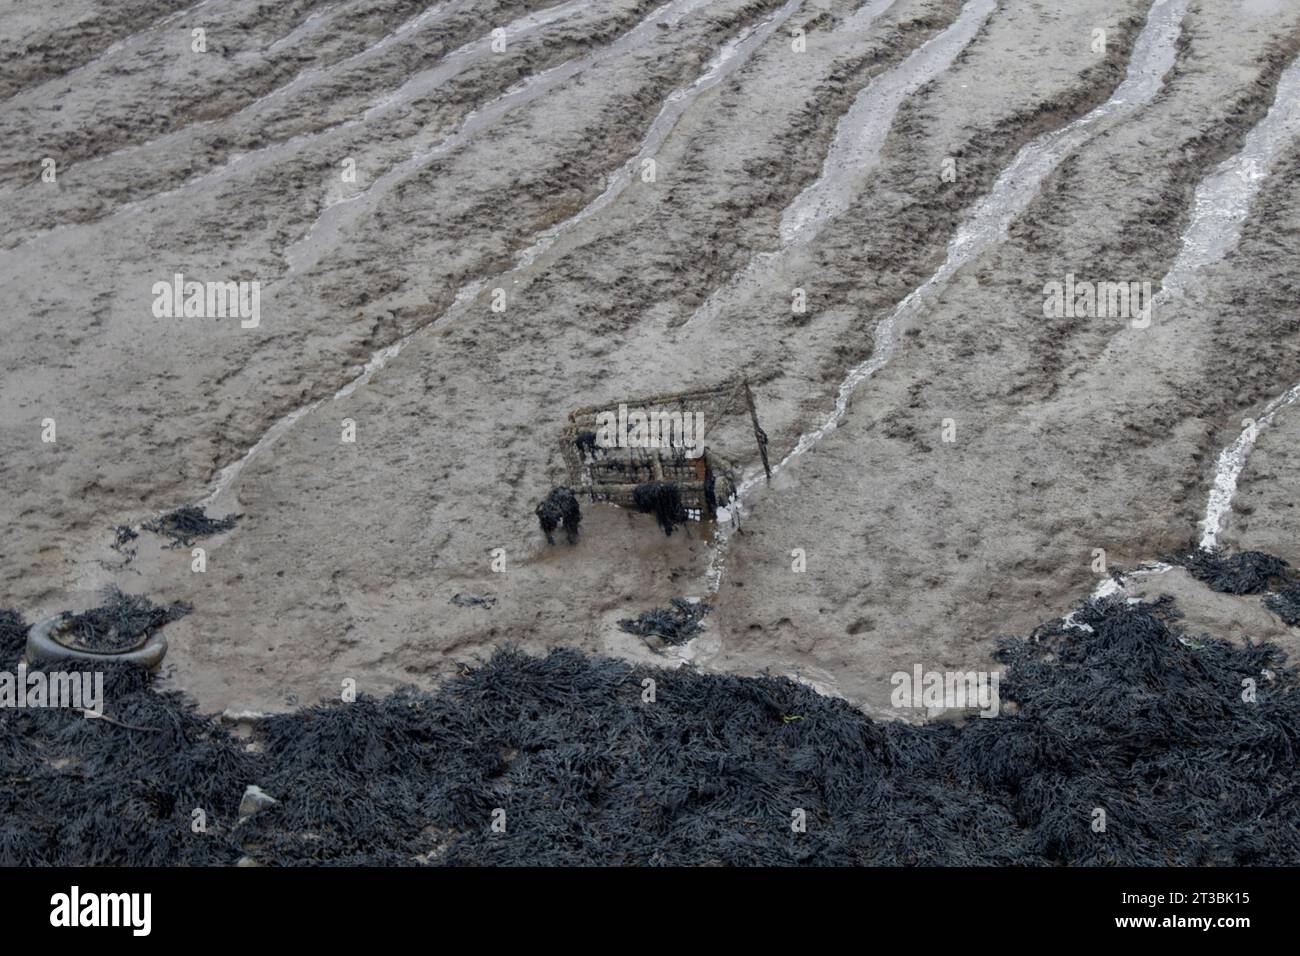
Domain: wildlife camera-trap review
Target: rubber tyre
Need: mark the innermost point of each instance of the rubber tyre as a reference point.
(42, 647)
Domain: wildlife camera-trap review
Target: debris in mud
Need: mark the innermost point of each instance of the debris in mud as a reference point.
(663, 500)
(185, 524)
(707, 775)
(560, 507)
(123, 534)
(1286, 604)
(612, 450)
(676, 624)
(1248, 572)
(472, 600)
(120, 623)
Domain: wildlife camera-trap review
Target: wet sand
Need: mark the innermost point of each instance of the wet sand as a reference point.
(523, 169)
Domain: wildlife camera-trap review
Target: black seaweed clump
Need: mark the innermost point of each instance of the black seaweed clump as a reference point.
(472, 600)
(586, 444)
(591, 767)
(94, 792)
(123, 535)
(663, 500)
(185, 524)
(560, 507)
(13, 636)
(120, 623)
(676, 624)
(1246, 572)
(1286, 604)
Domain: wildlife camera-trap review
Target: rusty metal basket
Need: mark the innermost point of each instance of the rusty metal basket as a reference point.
(705, 478)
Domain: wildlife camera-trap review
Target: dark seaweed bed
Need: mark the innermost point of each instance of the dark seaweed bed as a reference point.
(1129, 719)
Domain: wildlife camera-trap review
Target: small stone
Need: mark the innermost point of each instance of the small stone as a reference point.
(232, 716)
(255, 800)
